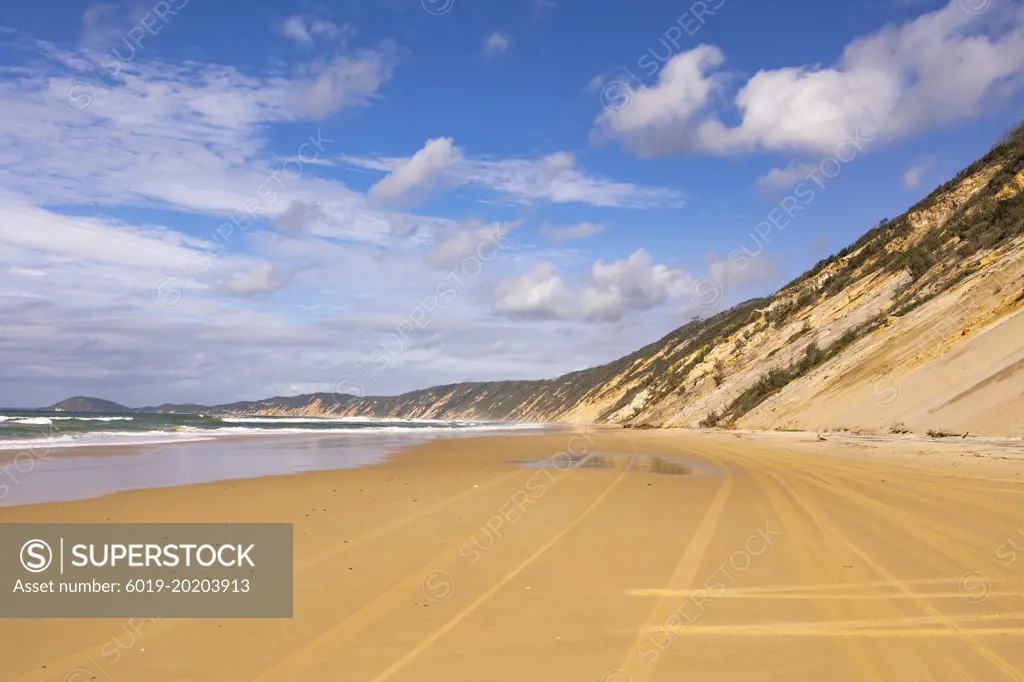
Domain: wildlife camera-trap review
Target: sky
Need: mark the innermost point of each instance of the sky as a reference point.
(205, 201)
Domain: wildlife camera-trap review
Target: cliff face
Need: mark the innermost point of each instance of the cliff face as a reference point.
(867, 338)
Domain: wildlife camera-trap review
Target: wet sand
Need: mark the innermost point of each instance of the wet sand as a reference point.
(672, 555)
(37, 473)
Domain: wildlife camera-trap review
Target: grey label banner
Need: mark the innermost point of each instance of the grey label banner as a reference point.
(154, 570)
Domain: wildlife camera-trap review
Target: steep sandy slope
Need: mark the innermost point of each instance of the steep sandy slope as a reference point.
(956, 365)
(915, 324)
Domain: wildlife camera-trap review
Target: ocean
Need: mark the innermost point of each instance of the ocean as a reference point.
(19, 430)
(51, 457)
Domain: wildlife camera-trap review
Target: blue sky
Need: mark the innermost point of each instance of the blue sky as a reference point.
(206, 203)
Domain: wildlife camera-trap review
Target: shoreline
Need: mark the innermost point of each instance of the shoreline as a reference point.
(34, 476)
(948, 451)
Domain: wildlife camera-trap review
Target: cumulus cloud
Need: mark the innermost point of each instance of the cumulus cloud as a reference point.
(662, 114)
(565, 233)
(412, 178)
(893, 83)
(635, 283)
(495, 43)
(610, 290)
(540, 293)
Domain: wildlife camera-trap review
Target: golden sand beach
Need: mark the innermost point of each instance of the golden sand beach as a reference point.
(668, 555)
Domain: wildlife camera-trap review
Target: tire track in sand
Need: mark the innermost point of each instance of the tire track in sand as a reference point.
(965, 635)
(814, 515)
(633, 667)
(429, 641)
(288, 666)
(164, 626)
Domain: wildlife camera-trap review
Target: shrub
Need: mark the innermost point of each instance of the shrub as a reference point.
(710, 421)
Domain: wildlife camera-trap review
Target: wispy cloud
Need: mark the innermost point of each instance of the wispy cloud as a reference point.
(912, 176)
(496, 43)
(564, 233)
(554, 177)
(782, 178)
(306, 30)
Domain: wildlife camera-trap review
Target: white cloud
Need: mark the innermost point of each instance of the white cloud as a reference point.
(344, 82)
(540, 294)
(608, 292)
(300, 216)
(893, 83)
(495, 43)
(555, 178)
(29, 230)
(912, 177)
(419, 173)
(661, 115)
(612, 291)
(96, 304)
(781, 178)
(456, 243)
(541, 6)
(552, 178)
(98, 28)
(564, 233)
(265, 278)
(636, 283)
(197, 141)
(305, 30)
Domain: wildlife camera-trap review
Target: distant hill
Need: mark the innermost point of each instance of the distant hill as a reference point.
(918, 325)
(81, 403)
(286, 403)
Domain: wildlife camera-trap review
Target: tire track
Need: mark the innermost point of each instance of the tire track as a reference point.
(823, 522)
(932, 533)
(812, 554)
(369, 613)
(429, 641)
(965, 635)
(912, 482)
(683, 575)
(165, 626)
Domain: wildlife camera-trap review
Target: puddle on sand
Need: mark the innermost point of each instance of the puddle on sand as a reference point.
(647, 464)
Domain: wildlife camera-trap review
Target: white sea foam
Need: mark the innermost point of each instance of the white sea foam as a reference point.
(97, 419)
(49, 420)
(340, 420)
(240, 430)
(184, 434)
(107, 438)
